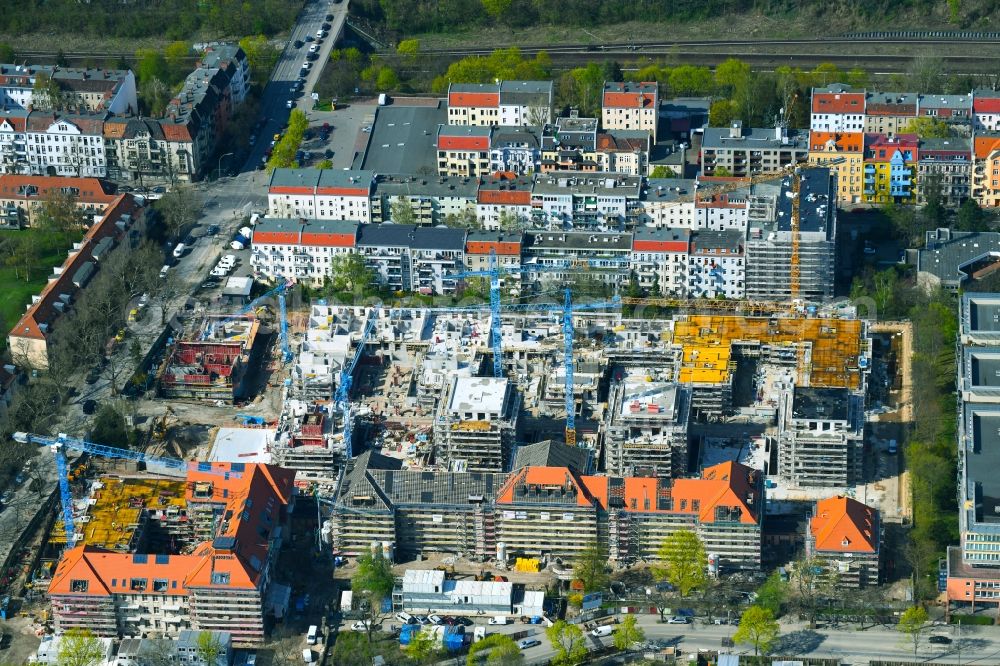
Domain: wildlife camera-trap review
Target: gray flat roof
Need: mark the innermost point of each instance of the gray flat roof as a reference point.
(403, 139)
(754, 138)
(578, 240)
(603, 184)
(984, 366)
(423, 186)
(826, 404)
(730, 240)
(576, 124)
(668, 189)
(662, 234)
(814, 201)
(983, 461)
(309, 226)
(479, 394)
(946, 253)
(985, 314)
(412, 236)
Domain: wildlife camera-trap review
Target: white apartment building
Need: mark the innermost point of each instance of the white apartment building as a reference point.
(64, 146)
(659, 259)
(601, 201)
(629, 105)
(837, 108)
(509, 103)
(501, 197)
(321, 194)
(716, 265)
(986, 110)
(299, 249)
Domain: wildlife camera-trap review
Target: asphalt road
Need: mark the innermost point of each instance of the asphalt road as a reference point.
(979, 645)
(277, 93)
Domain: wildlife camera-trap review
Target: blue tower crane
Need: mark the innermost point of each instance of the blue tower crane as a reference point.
(279, 291)
(62, 441)
(493, 274)
(341, 398)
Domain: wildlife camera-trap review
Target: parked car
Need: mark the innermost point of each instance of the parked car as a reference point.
(939, 640)
(361, 625)
(89, 407)
(313, 48)
(606, 630)
(423, 619)
(678, 619)
(435, 619)
(297, 43)
(329, 17)
(406, 618)
(526, 643)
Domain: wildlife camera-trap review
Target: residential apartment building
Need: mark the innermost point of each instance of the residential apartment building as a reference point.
(22, 197)
(770, 244)
(515, 150)
(433, 201)
(222, 585)
(463, 150)
(820, 436)
(508, 103)
(986, 111)
(889, 113)
(952, 109)
(476, 424)
(606, 256)
(659, 260)
(846, 536)
(837, 108)
(843, 153)
(89, 89)
(986, 169)
(504, 246)
(603, 202)
(739, 152)
(947, 164)
(717, 264)
(629, 105)
(299, 249)
(973, 567)
(890, 168)
(570, 145)
(123, 225)
(504, 202)
(321, 194)
(413, 259)
(724, 507)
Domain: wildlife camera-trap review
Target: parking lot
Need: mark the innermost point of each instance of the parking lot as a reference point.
(345, 140)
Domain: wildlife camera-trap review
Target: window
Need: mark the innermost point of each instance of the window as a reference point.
(220, 578)
(137, 584)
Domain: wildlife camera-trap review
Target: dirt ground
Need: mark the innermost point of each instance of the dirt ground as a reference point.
(24, 642)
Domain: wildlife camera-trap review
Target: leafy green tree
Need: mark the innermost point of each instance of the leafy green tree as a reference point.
(58, 211)
(661, 171)
(372, 585)
(592, 567)
(500, 650)
(79, 647)
(628, 633)
(497, 8)
(408, 48)
(509, 221)
(324, 164)
(466, 219)
(401, 211)
(46, 94)
(813, 582)
(350, 273)
(723, 172)
(971, 217)
(176, 55)
(911, 626)
(691, 80)
(7, 54)
(179, 209)
(757, 628)
(151, 64)
(568, 642)
(682, 562)
(110, 427)
(723, 112)
(387, 79)
(733, 75)
(154, 96)
(927, 128)
(771, 595)
(262, 57)
(422, 647)
(209, 648)
(588, 84)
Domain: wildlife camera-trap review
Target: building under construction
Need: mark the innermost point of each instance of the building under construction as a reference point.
(307, 442)
(212, 362)
(476, 424)
(155, 556)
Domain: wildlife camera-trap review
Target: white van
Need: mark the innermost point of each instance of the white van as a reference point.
(164, 271)
(311, 636)
(500, 620)
(606, 630)
(308, 656)
(179, 250)
(406, 618)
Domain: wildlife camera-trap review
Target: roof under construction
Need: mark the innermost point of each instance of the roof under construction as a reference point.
(831, 359)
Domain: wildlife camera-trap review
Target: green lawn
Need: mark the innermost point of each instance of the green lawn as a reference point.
(15, 292)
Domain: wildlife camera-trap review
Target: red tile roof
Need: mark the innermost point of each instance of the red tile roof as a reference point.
(474, 99)
(986, 104)
(844, 525)
(828, 102)
(505, 197)
(846, 142)
(44, 311)
(17, 123)
(984, 146)
(507, 248)
(252, 506)
(463, 143)
(659, 246)
(90, 190)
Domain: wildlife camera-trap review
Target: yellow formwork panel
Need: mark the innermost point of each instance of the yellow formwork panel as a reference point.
(832, 346)
(116, 511)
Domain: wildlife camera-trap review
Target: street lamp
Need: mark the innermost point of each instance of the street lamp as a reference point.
(219, 170)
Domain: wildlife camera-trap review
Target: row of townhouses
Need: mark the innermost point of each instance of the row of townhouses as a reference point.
(94, 129)
(735, 244)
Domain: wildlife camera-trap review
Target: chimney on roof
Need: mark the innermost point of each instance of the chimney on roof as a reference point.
(736, 129)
